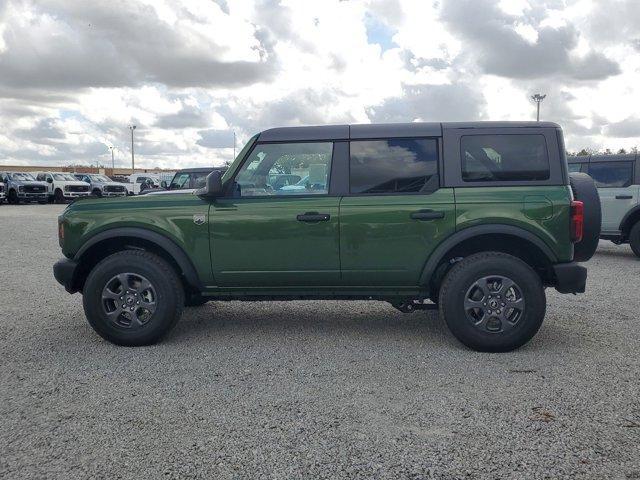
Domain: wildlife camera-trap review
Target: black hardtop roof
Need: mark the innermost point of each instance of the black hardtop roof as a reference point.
(383, 130)
(618, 157)
(199, 169)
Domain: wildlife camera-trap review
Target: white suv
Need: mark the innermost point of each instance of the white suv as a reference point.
(139, 182)
(63, 186)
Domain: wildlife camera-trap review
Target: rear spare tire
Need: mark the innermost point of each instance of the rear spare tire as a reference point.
(584, 190)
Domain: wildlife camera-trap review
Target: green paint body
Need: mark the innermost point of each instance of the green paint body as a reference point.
(370, 245)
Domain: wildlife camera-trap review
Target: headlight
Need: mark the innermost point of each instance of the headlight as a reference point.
(20, 188)
(66, 188)
(104, 188)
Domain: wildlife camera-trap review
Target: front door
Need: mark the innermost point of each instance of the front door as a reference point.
(278, 225)
(395, 213)
(617, 194)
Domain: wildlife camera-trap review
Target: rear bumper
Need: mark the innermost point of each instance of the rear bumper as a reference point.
(64, 271)
(570, 277)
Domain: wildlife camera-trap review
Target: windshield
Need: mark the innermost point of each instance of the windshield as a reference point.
(179, 181)
(22, 176)
(99, 178)
(65, 177)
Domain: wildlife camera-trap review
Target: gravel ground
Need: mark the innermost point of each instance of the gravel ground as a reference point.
(312, 389)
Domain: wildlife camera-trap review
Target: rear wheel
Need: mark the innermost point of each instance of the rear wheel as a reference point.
(634, 239)
(133, 298)
(492, 302)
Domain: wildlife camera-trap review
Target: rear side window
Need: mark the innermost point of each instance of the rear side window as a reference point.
(611, 174)
(495, 158)
(402, 165)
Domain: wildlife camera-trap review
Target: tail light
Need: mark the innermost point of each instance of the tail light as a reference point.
(577, 220)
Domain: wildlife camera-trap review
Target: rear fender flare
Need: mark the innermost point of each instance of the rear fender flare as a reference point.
(470, 232)
(623, 224)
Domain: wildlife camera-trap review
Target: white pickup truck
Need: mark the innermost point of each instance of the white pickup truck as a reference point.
(63, 186)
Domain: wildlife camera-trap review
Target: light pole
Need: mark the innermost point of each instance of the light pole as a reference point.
(538, 98)
(133, 162)
(113, 164)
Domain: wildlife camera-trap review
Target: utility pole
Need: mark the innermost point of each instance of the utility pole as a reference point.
(538, 98)
(113, 164)
(133, 162)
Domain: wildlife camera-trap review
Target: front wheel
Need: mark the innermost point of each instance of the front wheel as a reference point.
(634, 239)
(13, 198)
(492, 302)
(133, 298)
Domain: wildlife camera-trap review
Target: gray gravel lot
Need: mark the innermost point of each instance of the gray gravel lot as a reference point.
(312, 389)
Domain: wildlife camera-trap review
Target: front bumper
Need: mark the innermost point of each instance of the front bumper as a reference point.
(114, 194)
(75, 194)
(570, 277)
(64, 271)
(33, 196)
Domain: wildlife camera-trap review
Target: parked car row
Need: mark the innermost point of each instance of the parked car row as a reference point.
(59, 187)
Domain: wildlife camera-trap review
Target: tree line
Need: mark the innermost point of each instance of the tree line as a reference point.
(607, 151)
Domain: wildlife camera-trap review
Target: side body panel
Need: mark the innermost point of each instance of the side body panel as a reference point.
(380, 244)
(616, 203)
(258, 242)
(541, 210)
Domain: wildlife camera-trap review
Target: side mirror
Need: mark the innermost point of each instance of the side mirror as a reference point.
(213, 185)
(49, 180)
(163, 184)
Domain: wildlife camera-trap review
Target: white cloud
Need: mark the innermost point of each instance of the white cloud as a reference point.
(76, 74)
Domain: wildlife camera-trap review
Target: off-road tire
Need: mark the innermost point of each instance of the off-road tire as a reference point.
(58, 196)
(195, 300)
(12, 198)
(634, 239)
(169, 290)
(462, 277)
(584, 189)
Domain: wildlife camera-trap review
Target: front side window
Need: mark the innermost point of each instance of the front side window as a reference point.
(403, 165)
(495, 158)
(286, 169)
(611, 174)
(575, 167)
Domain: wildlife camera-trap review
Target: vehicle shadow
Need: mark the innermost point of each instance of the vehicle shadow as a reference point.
(348, 321)
(626, 253)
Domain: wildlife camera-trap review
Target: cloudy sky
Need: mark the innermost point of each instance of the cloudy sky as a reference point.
(74, 74)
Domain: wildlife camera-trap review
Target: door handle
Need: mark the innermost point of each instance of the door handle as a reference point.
(312, 217)
(624, 197)
(426, 215)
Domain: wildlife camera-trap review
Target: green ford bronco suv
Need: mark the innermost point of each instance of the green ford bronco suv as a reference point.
(474, 219)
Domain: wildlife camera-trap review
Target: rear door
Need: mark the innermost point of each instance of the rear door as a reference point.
(395, 212)
(618, 194)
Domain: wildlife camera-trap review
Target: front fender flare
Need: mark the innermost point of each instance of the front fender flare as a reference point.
(162, 241)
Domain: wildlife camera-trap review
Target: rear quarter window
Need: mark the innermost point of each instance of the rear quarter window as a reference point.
(513, 157)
